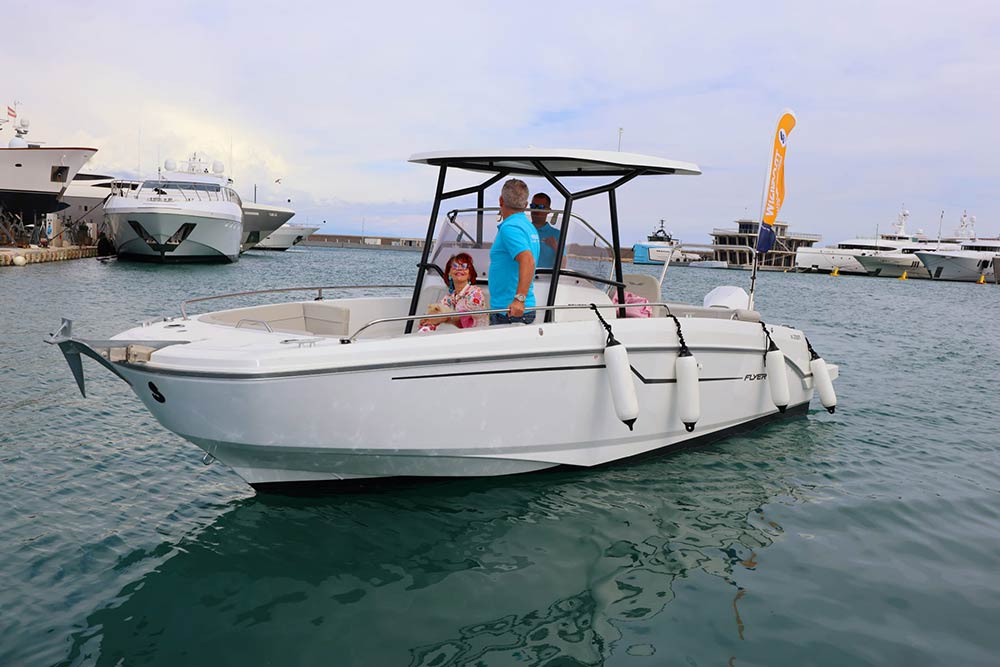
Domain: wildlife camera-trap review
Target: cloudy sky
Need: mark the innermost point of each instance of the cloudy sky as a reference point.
(896, 102)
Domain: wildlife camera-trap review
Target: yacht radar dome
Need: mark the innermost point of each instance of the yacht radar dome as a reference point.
(170, 165)
(218, 168)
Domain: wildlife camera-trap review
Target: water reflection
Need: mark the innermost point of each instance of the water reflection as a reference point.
(541, 570)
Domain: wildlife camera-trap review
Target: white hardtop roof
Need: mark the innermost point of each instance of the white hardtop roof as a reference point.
(559, 161)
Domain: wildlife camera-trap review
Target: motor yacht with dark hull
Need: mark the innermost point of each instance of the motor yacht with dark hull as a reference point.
(260, 221)
(337, 388)
(185, 216)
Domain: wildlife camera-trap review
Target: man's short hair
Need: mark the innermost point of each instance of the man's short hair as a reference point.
(548, 199)
(515, 194)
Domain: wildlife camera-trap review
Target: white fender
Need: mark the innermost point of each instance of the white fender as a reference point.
(823, 384)
(688, 390)
(621, 383)
(777, 379)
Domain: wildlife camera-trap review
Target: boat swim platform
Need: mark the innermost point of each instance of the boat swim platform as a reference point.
(38, 255)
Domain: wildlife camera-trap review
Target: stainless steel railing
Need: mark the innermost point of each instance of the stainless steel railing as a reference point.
(569, 306)
(184, 304)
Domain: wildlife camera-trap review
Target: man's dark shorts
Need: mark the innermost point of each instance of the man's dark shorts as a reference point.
(504, 318)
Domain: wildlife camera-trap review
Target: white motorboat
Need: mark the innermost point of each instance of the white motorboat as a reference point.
(332, 390)
(260, 221)
(33, 177)
(843, 257)
(192, 215)
(286, 236)
(972, 262)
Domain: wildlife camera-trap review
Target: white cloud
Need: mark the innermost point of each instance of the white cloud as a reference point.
(895, 100)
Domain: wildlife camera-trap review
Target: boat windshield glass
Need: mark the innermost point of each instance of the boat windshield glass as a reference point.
(472, 231)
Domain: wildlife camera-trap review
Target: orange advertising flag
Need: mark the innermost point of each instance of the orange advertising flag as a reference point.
(775, 193)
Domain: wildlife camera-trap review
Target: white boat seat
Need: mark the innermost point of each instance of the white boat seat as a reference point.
(642, 285)
(310, 317)
(688, 310)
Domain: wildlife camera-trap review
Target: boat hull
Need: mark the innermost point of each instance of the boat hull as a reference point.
(961, 266)
(173, 236)
(826, 260)
(507, 408)
(884, 266)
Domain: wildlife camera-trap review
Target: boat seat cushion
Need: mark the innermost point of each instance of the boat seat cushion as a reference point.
(326, 319)
(310, 317)
(643, 285)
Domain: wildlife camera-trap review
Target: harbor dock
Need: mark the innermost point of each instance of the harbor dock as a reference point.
(36, 255)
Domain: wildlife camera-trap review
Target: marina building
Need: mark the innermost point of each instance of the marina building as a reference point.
(735, 246)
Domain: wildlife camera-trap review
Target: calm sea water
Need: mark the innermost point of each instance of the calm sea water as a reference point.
(869, 537)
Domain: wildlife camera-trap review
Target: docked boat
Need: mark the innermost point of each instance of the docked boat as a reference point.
(187, 215)
(972, 262)
(843, 257)
(286, 236)
(33, 177)
(904, 261)
(332, 390)
(260, 221)
(658, 248)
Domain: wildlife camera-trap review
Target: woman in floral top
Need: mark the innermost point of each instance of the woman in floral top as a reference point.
(463, 296)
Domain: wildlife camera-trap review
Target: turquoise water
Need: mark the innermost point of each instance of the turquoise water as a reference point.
(868, 537)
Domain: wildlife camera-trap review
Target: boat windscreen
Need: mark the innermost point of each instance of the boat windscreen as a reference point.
(473, 231)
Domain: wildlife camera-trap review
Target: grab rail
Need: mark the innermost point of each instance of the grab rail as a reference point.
(246, 319)
(569, 306)
(184, 304)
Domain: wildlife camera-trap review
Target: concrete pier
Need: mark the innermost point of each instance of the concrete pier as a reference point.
(36, 255)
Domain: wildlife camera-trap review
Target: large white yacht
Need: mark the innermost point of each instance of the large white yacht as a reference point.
(335, 390)
(972, 262)
(187, 215)
(287, 236)
(894, 264)
(33, 177)
(843, 257)
(260, 221)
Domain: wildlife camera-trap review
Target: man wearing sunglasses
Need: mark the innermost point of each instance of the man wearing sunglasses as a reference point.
(548, 236)
(513, 257)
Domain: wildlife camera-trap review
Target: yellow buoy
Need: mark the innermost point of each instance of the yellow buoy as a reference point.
(982, 279)
(836, 271)
(904, 276)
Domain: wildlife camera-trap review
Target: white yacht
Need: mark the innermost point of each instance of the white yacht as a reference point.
(334, 390)
(972, 262)
(189, 215)
(33, 177)
(893, 264)
(843, 257)
(260, 221)
(286, 237)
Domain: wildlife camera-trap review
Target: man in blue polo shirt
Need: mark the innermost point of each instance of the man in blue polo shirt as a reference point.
(548, 236)
(513, 258)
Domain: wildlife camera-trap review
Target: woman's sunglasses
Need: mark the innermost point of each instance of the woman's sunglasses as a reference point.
(461, 266)
(538, 207)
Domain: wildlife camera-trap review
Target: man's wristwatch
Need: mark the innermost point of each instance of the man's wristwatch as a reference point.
(520, 297)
